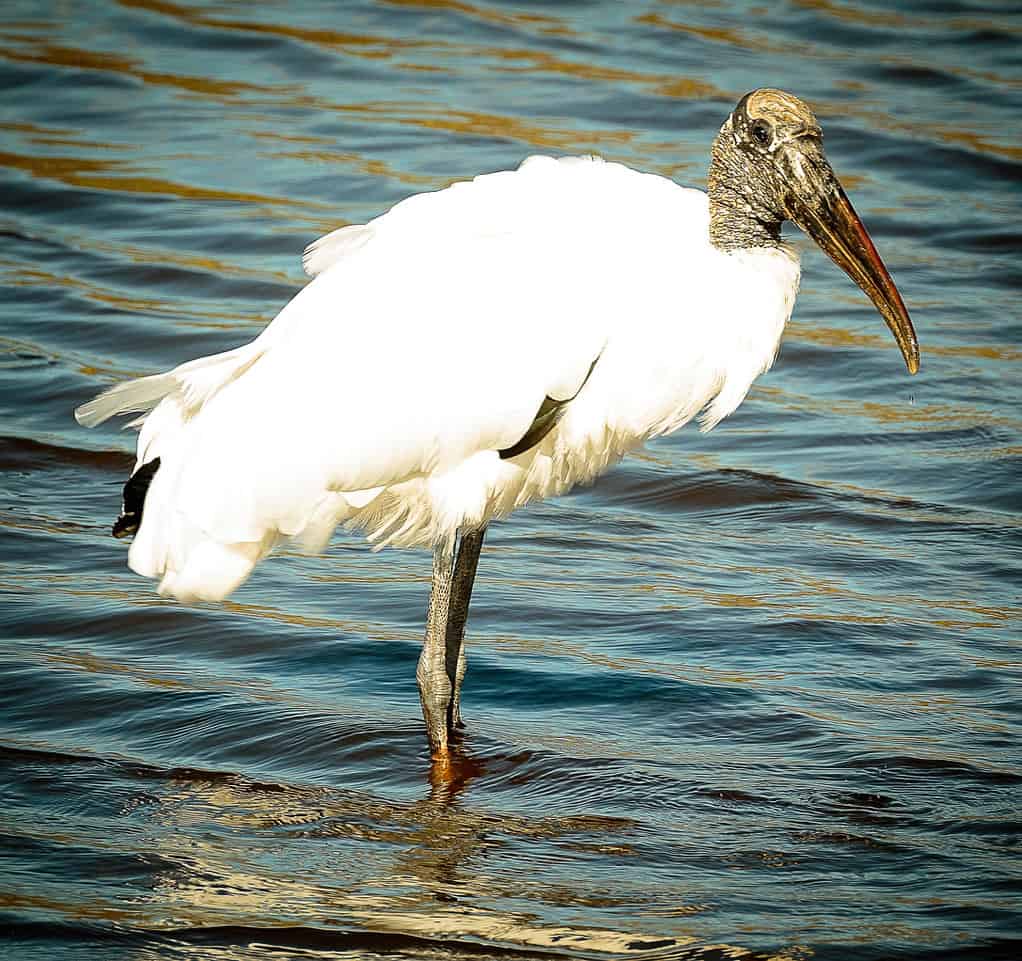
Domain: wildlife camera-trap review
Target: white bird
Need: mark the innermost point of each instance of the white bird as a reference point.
(478, 347)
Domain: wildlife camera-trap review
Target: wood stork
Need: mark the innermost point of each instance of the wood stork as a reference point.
(479, 347)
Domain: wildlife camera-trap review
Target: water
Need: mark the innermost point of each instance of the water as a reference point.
(753, 695)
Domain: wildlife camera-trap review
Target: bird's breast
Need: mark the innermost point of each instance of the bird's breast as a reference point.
(693, 339)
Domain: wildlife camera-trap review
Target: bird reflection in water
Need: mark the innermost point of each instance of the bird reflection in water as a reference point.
(449, 835)
(230, 884)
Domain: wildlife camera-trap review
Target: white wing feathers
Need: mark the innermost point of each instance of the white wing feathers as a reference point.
(133, 395)
(426, 342)
(333, 246)
(489, 205)
(190, 384)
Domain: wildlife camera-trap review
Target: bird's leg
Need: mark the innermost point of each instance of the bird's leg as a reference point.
(435, 681)
(461, 594)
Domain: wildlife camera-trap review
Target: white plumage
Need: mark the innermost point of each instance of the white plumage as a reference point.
(425, 343)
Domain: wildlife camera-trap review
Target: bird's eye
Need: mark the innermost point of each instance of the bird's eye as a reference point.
(761, 132)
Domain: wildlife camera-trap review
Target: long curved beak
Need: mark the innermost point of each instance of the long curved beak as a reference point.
(830, 219)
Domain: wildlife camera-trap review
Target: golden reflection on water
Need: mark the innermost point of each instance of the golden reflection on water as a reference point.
(94, 664)
(432, 887)
(814, 332)
(862, 15)
(533, 61)
(103, 294)
(941, 416)
(438, 116)
(96, 910)
(353, 44)
(540, 22)
(352, 161)
(80, 58)
(724, 35)
(107, 175)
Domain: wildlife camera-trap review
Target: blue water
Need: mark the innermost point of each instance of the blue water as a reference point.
(755, 694)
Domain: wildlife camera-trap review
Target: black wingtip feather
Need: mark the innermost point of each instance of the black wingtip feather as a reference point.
(135, 491)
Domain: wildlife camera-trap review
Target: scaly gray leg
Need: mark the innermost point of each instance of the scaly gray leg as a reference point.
(461, 594)
(435, 681)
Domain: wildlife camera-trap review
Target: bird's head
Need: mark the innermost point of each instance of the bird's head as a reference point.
(768, 166)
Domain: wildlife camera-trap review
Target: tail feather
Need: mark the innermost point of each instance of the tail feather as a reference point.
(190, 563)
(194, 383)
(141, 394)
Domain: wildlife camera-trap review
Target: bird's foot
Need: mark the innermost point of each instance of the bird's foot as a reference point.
(455, 722)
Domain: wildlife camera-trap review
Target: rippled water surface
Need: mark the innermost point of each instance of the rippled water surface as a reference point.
(755, 694)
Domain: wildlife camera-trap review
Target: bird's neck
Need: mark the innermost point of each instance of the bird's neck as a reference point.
(739, 219)
(733, 228)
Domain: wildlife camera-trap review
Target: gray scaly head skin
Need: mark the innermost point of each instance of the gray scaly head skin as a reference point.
(767, 166)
